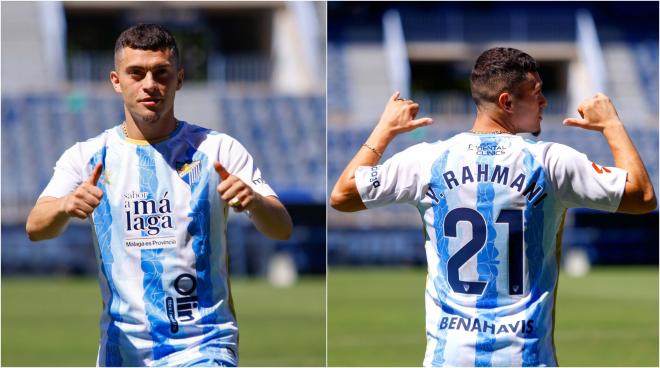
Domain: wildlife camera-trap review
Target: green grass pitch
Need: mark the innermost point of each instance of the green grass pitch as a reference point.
(55, 322)
(608, 318)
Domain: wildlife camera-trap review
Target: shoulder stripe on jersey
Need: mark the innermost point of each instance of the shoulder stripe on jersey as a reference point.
(440, 283)
(200, 230)
(103, 228)
(535, 254)
(151, 264)
(487, 260)
(558, 241)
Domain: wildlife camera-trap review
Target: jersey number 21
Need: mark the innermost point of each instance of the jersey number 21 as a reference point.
(479, 236)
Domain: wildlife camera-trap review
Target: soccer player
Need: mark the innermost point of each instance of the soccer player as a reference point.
(157, 191)
(493, 205)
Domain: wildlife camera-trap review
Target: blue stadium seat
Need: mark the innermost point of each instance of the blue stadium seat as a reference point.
(646, 58)
(285, 137)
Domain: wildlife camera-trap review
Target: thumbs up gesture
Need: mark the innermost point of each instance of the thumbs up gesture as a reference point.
(81, 202)
(233, 190)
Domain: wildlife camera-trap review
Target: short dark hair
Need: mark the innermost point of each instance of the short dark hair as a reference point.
(151, 37)
(497, 70)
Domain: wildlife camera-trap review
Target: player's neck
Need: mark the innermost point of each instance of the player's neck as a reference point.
(485, 123)
(149, 131)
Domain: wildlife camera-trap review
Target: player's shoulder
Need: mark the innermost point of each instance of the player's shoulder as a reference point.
(87, 148)
(426, 152)
(191, 130)
(212, 141)
(417, 154)
(548, 149)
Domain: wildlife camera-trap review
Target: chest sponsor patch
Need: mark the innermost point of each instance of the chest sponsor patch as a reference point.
(148, 221)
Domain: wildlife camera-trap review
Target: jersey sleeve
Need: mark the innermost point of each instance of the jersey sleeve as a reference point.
(67, 175)
(398, 180)
(579, 182)
(236, 159)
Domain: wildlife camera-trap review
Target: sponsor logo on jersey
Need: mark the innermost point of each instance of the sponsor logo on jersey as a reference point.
(190, 172)
(148, 221)
(483, 326)
(600, 169)
(488, 148)
(184, 308)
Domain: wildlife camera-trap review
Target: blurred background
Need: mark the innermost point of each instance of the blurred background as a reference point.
(426, 50)
(255, 71)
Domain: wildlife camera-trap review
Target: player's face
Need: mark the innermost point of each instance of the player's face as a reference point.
(528, 105)
(148, 81)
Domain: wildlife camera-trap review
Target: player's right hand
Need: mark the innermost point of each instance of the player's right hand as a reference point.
(399, 116)
(81, 202)
(597, 114)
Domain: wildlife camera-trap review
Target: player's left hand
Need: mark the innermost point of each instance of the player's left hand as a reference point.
(234, 191)
(598, 113)
(400, 116)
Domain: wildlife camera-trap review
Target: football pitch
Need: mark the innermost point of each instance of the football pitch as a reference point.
(55, 322)
(608, 318)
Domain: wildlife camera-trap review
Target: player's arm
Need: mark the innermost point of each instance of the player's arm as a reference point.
(397, 118)
(599, 114)
(50, 215)
(268, 214)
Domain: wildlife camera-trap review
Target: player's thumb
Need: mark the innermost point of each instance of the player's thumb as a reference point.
(96, 174)
(220, 170)
(422, 122)
(574, 122)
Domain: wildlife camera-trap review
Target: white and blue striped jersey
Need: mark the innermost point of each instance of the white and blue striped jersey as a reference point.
(492, 208)
(161, 243)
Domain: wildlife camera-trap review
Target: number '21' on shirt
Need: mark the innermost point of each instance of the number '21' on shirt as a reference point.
(492, 208)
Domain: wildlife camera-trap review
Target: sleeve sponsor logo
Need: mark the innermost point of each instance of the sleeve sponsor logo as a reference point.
(373, 176)
(600, 169)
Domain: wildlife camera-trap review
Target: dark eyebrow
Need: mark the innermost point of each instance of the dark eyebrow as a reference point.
(141, 68)
(131, 68)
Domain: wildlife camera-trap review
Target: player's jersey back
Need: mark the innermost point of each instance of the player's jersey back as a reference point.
(492, 208)
(160, 234)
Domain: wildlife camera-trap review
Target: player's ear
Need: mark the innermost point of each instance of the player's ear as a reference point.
(114, 79)
(505, 101)
(179, 79)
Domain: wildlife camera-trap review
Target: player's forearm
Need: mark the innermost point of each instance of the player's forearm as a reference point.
(639, 196)
(47, 219)
(271, 218)
(345, 196)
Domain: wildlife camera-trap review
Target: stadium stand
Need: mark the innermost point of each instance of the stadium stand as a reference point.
(284, 133)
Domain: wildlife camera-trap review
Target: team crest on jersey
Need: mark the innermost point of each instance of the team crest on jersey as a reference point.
(189, 171)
